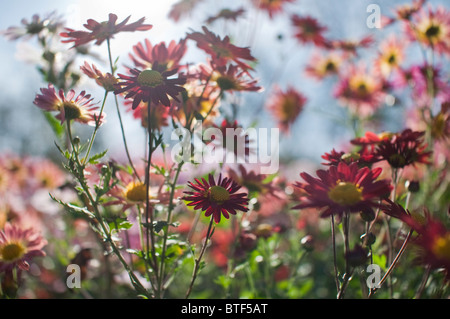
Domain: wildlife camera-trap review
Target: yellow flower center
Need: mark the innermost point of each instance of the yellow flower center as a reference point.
(71, 110)
(218, 194)
(441, 247)
(12, 252)
(289, 108)
(150, 78)
(136, 192)
(345, 193)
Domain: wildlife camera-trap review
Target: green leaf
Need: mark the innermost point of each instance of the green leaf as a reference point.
(56, 126)
(74, 208)
(120, 223)
(94, 159)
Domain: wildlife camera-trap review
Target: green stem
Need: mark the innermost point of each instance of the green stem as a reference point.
(198, 260)
(97, 126)
(120, 116)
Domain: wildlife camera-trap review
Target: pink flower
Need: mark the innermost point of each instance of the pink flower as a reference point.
(18, 246)
(80, 108)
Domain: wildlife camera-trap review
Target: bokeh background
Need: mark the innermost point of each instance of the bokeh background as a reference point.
(282, 59)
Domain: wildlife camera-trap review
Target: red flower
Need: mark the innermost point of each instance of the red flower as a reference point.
(433, 241)
(226, 14)
(181, 8)
(221, 50)
(343, 188)
(271, 6)
(150, 85)
(105, 80)
(308, 30)
(167, 57)
(286, 106)
(216, 199)
(100, 31)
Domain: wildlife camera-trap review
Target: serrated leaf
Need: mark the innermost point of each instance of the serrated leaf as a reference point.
(94, 159)
(74, 208)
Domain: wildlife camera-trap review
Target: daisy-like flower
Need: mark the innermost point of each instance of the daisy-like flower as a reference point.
(406, 11)
(216, 199)
(403, 149)
(18, 247)
(343, 188)
(101, 31)
(351, 46)
(308, 30)
(226, 14)
(433, 240)
(360, 90)
(150, 86)
(167, 57)
(286, 106)
(390, 55)
(431, 28)
(182, 8)
(105, 80)
(79, 108)
(39, 26)
(321, 66)
(227, 78)
(221, 50)
(273, 7)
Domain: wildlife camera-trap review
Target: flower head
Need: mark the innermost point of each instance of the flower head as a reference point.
(321, 66)
(359, 90)
(221, 50)
(272, 7)
(150, 85)
(167, 57)
(80, 108)
(390, 56)
(404, 148)
(286, 106)
(226, 14)
(101, 31)
(216, 199)
(431, 28)
(343, 188)
(308, 30)
(182, 8)
(38, 25)
(105, 80)
(18, 246)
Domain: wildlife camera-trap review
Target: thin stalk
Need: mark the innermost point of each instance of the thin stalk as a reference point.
(97, 126)
(333, 238)
(198, 260)
(348, 269)
(166, 229)
(119, 115)
(392, 266)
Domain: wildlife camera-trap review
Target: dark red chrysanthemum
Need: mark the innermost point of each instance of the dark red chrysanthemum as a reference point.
(398, 149)
(100, 31)
(150, 85)
(343, 188)
(221, 50)
(433, 240)
(216, 199)
(308, 30)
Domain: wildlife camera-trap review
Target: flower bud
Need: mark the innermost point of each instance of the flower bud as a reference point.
(367, 214)
(308, 243)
